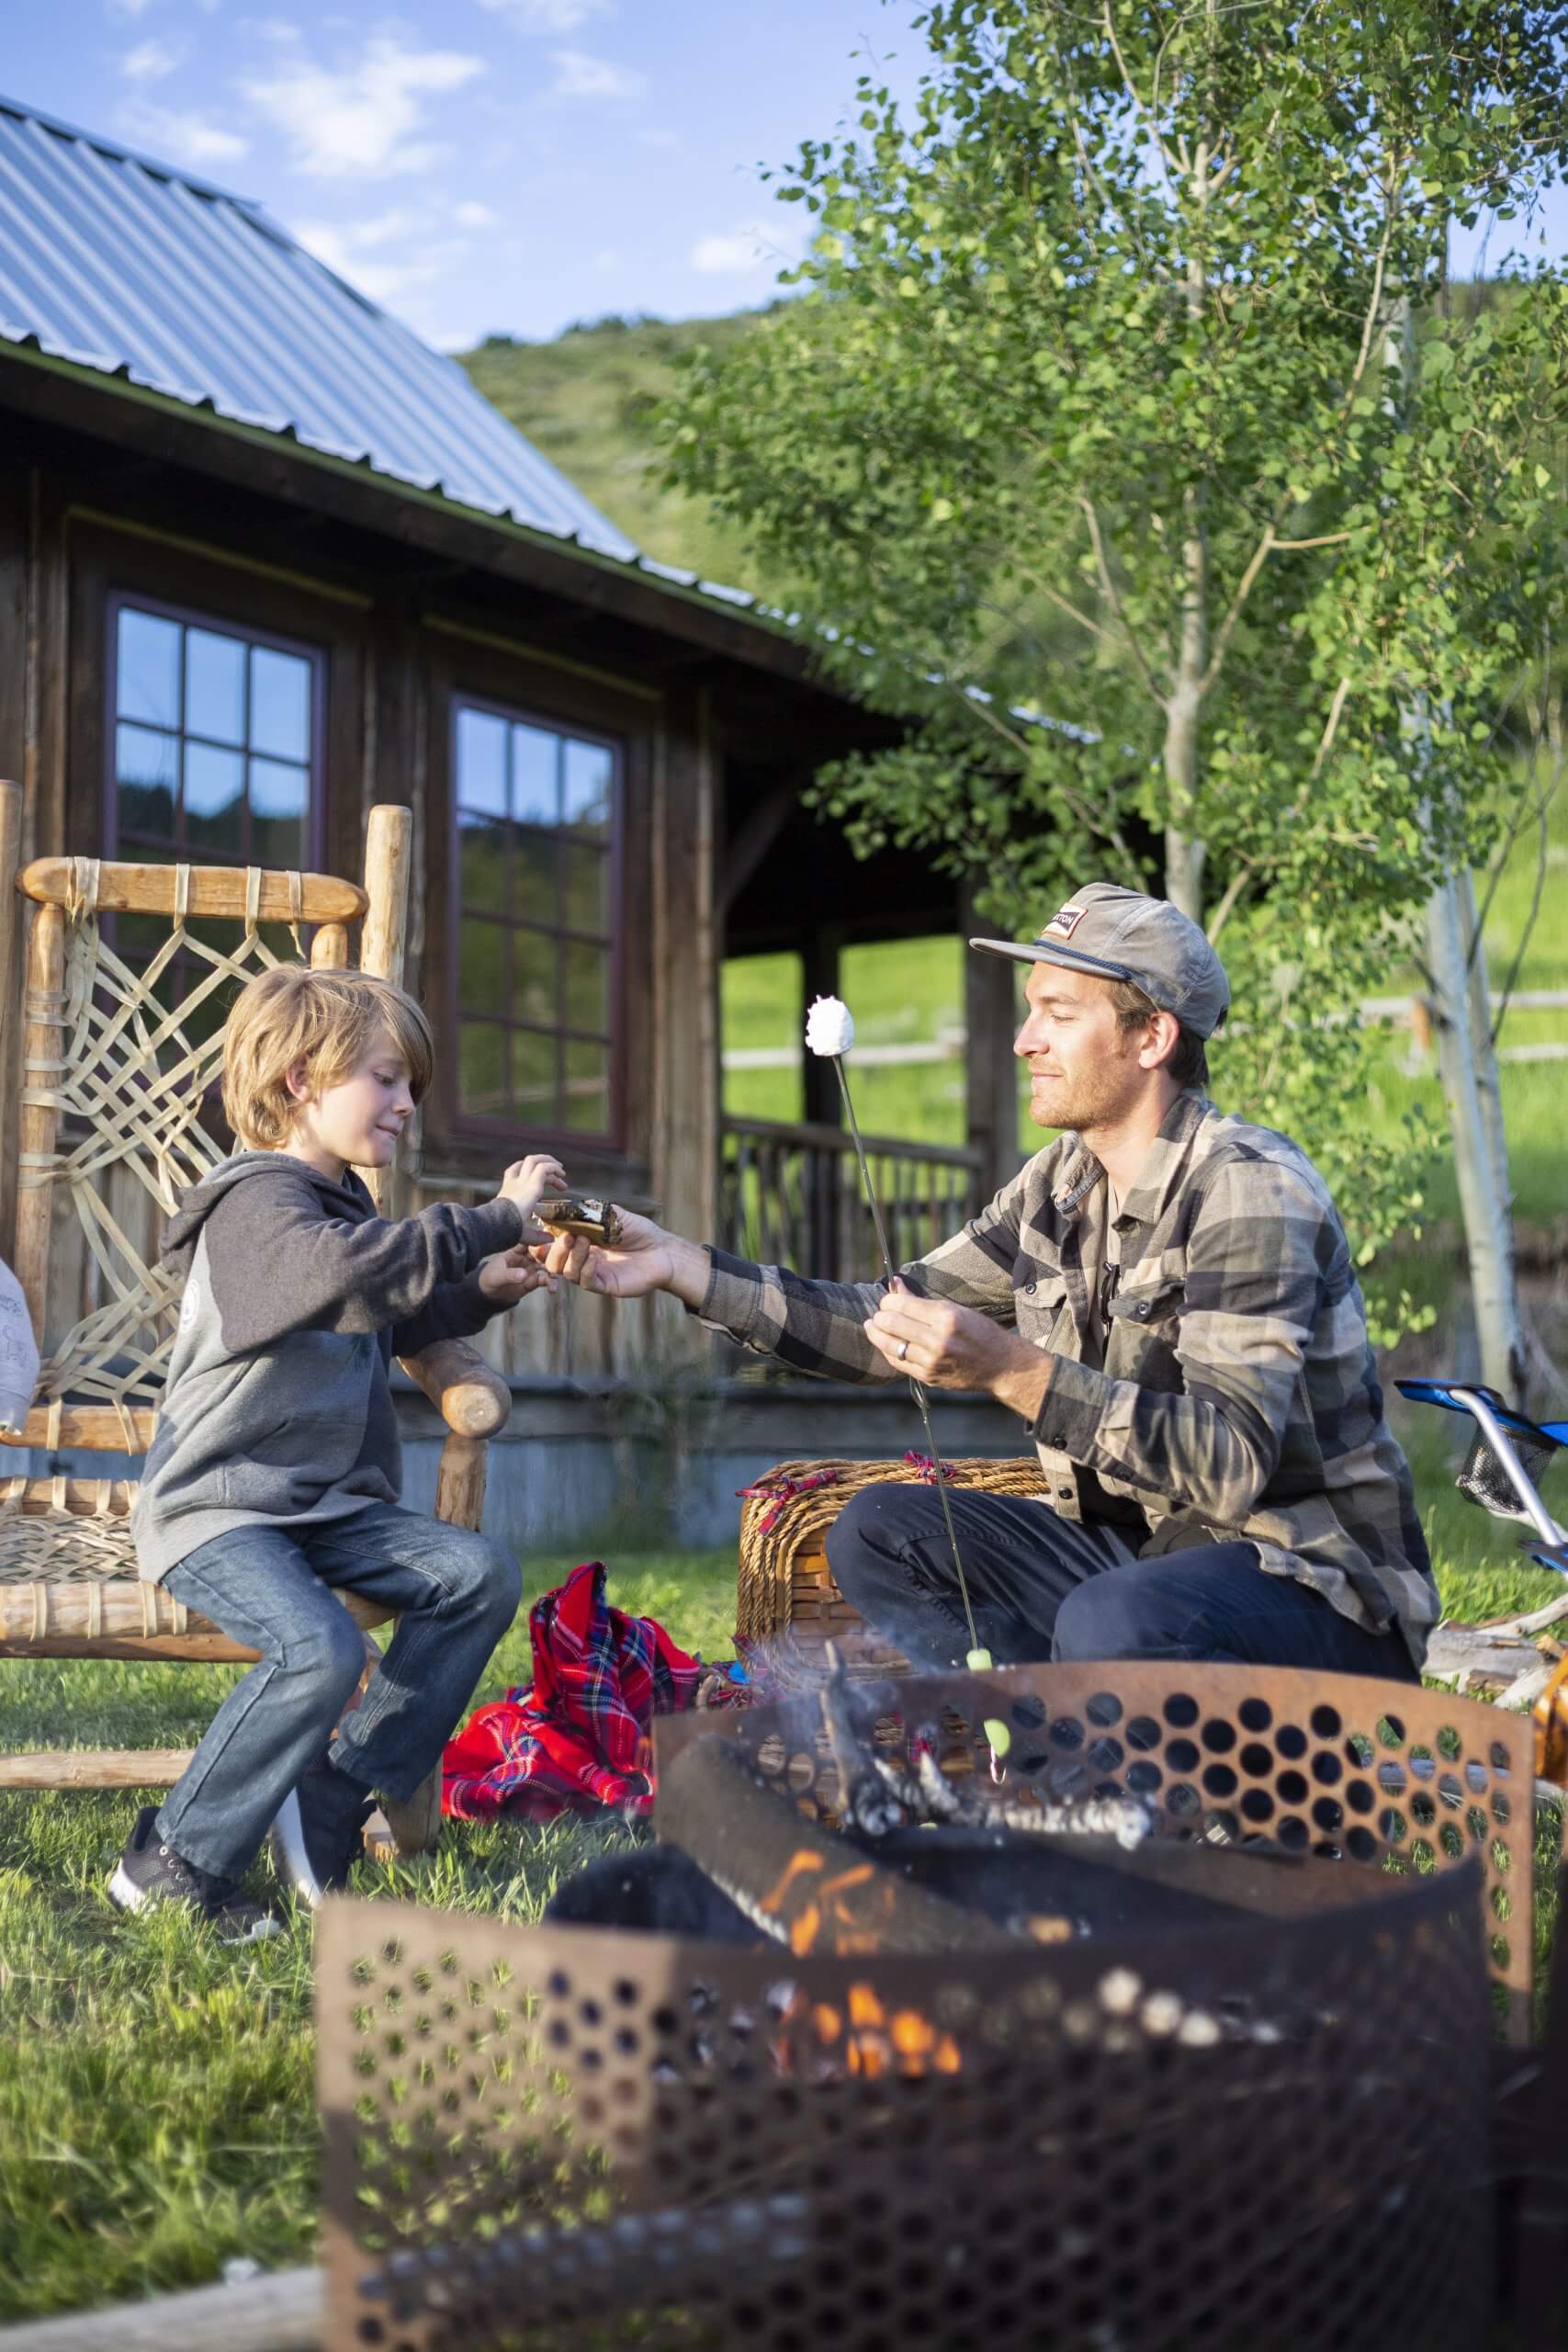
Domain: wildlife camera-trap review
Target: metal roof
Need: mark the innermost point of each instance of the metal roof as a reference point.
(137, 270)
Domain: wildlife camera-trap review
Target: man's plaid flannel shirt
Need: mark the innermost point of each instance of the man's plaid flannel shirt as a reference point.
(1240, 1397)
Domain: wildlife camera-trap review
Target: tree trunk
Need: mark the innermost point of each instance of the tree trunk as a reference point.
(1480, 1154)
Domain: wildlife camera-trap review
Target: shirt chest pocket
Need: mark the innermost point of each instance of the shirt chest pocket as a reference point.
(1142, 1327)
(1041, 1309)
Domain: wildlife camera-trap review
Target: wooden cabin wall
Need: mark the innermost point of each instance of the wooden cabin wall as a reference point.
(394, 660)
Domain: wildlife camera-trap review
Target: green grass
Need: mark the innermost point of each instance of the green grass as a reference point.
(157, 2094)
(157, 2100)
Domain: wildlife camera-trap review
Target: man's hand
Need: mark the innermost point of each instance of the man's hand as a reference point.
(946, 1346)
(510, 1275)
(644, 1259)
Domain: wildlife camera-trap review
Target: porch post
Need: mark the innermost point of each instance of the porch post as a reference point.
(820, 1105)
(686, 948)
(991, 1019)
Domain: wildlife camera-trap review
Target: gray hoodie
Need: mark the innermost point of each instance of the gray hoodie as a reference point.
(278, 1410)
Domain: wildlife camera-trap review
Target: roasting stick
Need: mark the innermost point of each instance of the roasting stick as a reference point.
(830, 1034)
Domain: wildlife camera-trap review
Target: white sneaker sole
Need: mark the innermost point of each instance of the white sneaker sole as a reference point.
(290, 1857)
(126, 1896)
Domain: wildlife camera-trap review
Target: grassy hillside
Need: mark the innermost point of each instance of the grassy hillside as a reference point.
(585, 401)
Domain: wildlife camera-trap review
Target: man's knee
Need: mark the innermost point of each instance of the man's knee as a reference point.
(1122, 1612)
(876, 1526)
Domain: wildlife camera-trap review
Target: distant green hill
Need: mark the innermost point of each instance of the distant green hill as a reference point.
(585, 401)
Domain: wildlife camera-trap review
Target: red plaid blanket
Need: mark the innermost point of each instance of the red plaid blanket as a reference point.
(579, 1738)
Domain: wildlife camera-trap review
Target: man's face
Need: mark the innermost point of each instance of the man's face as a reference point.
(1085, 1070)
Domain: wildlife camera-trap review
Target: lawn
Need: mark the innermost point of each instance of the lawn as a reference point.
(157, 2101)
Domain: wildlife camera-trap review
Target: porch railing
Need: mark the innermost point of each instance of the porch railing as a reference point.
(790, 1194)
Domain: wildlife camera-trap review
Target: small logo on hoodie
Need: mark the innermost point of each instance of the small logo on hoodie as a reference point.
(190, 1307)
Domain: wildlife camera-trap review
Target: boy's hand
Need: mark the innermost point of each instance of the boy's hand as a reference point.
(646, 1258)
(510, 1274)
(526, 1181)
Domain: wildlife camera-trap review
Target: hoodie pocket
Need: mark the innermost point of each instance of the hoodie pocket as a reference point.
(289, 1465)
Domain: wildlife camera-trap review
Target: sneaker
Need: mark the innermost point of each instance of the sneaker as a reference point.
(149, 1873)
(319, 1832)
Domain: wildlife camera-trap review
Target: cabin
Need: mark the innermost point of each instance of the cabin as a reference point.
(266, 560)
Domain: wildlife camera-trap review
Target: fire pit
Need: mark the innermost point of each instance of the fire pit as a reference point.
(1133, 2083)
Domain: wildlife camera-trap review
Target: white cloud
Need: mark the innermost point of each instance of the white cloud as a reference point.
(738, 255)
(395, 257)
(658, 138)
(127, 11)
(474, 216)
(579, 76)
(357, 122)
(547, 16)
(181, 134)
(150, 60)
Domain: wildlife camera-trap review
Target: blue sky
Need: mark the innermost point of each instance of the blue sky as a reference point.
(482, 166)
(491, 165)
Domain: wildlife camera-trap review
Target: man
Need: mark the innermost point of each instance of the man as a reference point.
(1164, 1298)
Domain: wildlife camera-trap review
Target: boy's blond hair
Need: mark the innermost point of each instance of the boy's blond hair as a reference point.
(327, 1018)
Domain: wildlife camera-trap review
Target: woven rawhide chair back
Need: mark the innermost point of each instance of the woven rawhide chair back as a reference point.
(120, 1050)
(785, 1596)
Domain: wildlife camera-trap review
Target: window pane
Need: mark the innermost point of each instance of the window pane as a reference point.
(279, 796)
(215, 686)
(587, 1087)
(534, 967)
(481, 948)
(146, 766)
(533, 878)
(149, 668)
(215, 800)
(481, 864)
(481, 762)
(586, 786)
(586, 889)
(532, 1078)
(534, 761)
(587, 978)
(481, 1070)
(280, 702)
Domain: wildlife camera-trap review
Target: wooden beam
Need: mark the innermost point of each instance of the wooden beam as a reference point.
(285, 2311)
(97, 1768)
(990, 1075)
(686, 972)
(214, 890)
(756, 837)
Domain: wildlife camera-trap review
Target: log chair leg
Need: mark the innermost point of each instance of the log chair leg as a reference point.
(416, 1822)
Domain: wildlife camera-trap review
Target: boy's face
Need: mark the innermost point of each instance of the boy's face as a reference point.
(357, 1122)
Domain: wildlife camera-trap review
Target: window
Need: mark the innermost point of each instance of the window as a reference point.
(214, 742)
(534, 826)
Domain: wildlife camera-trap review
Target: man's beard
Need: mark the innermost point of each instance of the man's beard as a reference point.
(1095, 1098)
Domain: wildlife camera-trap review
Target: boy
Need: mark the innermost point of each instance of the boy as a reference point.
(274, 1474)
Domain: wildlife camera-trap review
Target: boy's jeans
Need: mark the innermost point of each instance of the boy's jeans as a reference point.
(275, 1591)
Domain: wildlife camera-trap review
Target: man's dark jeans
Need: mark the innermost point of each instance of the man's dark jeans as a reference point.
(276, 1592)
(1047, 1588)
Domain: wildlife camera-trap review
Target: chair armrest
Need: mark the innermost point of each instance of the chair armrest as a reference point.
(469, 1394)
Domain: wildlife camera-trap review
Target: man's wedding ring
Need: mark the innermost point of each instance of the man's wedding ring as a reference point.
(902, 1350)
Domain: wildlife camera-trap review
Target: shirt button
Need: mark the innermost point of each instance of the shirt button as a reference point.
(1142, 1311)
(1063, 1494)
(1031, 1288)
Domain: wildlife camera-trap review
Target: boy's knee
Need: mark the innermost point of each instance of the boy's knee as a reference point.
(485, 1577)
(331, 1657)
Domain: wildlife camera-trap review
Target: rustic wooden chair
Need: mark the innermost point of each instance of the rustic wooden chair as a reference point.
(111, 1133)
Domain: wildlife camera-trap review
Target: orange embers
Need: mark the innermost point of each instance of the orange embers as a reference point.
(845, 1911)
(873, 2040)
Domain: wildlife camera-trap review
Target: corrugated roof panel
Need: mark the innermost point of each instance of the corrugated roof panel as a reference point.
(117, 263)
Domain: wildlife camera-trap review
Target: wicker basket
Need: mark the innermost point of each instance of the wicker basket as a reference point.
(786, 1594)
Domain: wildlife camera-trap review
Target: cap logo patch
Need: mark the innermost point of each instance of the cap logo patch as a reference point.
(1065, 922)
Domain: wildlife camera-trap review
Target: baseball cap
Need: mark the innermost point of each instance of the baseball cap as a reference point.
(1122, 935)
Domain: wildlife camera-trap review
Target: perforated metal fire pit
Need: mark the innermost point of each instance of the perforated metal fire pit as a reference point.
(1272, 2132)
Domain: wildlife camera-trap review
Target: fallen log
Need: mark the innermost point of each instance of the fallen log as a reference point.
(283, 2310)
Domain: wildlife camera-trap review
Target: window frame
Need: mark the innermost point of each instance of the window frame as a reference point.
(609, 1142)
(118, 599)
